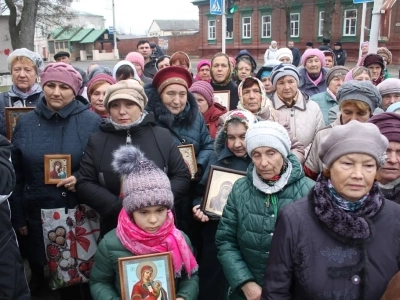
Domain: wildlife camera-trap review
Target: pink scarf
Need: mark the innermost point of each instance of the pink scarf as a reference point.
(316, 81)
(167, 239)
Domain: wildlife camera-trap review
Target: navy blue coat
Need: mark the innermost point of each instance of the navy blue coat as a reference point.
(307, 87)
(189, 125)
(39, 132)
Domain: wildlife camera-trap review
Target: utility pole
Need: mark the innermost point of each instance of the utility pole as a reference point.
(223, 35)
(364, 10)
(116, 54)
(375, 24)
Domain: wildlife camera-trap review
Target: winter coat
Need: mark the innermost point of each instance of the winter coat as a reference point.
(391, 190)
(104, 276)
(233, 92)
(7, 101)
(99, 185)
(296, 56)
(13, 284)
(188, 125)
(247, 225)
(325, 103)
(325, 47)
(37, 133)
(305, 117)
(341, 56)
(211, 117)
(150, 69)
(269, 54)
(309, 88)
(304, 250)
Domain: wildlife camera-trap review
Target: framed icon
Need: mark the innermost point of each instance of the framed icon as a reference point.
(56, 167)
(189, 157)
(219, 185)
(151, 276)
(223, 98)
(12, 115)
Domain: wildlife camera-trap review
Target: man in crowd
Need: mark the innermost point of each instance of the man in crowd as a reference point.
(325, 45)
(295, 53)
(13, 284)
(143, 47)
(340, 54)
(65, 57)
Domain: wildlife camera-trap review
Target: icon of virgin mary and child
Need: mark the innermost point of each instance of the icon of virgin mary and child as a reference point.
(147, 288)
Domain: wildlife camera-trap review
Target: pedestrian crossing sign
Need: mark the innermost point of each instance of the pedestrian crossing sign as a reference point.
(216, 7)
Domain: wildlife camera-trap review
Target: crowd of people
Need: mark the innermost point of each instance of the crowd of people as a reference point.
(314, 215)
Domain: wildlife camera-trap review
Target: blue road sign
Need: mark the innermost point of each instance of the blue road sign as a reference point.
(362, 1)
(216, 7)
(111, 30)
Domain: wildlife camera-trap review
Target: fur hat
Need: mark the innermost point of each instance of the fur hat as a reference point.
(353, 137)
(129, 89)
(326, 41)
(33, 56)
(205, 89)
(64, 73)
(313, 52)
(143, 183)
(268, 134)
(383, 51)
(284, 52)
(310, 44)
(136, 58)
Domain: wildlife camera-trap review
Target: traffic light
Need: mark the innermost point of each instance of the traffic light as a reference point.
(231, 7)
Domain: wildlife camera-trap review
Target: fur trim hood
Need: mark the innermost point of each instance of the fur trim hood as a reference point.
(163, 115)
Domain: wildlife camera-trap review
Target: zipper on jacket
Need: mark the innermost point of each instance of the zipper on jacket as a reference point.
(128, 138)
(272, 198)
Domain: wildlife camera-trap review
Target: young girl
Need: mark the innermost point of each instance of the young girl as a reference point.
(145, 226)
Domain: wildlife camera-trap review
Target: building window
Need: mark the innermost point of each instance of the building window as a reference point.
(266, 26)
(246, 27)
(350, 22)
(294, 25)
(229, 28)
(211, 30)
(321, 23)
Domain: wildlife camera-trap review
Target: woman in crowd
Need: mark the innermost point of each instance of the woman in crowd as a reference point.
(243, 69)
(326, 100)
(203, 71)
(304, 114)
(129, 123)
(96, 91)
(390, 92)
(124, 70)
(357, 100)
(180, 59)
(270, 53)
(176, 109)
(387, 60)
(312, 76)
(145, 226)
(60, 123)
(138, 62)
(25, 67)
(330, 59)
(162, 62)
(230, 152)
(264, 74)
(374, 62)
(221, 78)
(359, 73)
(253, 99)
(389, 174)
(246, 54)
(284, 55)
(211, 110)
(330, 243)
(274, 179)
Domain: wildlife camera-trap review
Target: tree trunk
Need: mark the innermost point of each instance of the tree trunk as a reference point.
(28, 22)
(287, 33)
(329, 11)
(13, 25)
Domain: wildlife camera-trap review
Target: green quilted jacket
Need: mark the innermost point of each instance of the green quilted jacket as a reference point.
(246, 228)
(104, 277)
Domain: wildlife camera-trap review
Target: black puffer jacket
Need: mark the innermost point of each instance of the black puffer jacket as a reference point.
(189, 125)
(99, 186)
(37, 133)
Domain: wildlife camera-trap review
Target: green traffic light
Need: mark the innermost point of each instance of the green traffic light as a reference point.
(233, 9)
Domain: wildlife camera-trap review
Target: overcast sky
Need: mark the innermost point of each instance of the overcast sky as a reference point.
(135, 16)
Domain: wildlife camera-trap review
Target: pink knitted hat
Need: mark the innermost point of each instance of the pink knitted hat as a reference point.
(205, 89)
(98, 77)
(64, 73)
(313, 52)
(135, 58)
(203, 62)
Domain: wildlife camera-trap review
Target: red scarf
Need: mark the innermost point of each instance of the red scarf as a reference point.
(167, 239)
